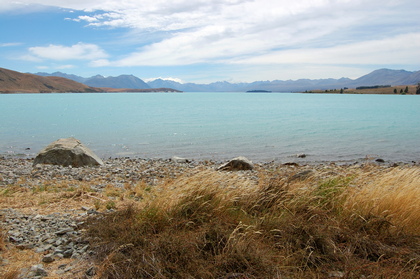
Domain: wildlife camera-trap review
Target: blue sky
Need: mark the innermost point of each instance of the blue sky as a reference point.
(205, 41)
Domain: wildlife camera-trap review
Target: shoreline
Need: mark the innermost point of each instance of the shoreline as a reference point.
(119, 171)
(299, 159)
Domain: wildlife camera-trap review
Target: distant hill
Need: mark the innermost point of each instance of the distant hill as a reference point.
(12, 82)
(377, 77)
(388, 77)
(150, 90)
(122, 81)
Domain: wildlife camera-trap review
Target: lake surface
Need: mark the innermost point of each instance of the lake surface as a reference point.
(218, 126)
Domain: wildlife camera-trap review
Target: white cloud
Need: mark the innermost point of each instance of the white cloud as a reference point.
(99, 63)
(10, 44)
(87, 18)
(30, 58)
(80, 51)
(226, 31)
(402, 49)
(65, 66)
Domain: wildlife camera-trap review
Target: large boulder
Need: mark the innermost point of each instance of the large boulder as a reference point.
(66, 152)
(237, 164)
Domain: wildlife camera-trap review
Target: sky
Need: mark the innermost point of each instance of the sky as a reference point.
(205, 41)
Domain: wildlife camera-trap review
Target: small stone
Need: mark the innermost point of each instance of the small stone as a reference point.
(50, 241)
(25, 246)
(67, 269)
(62, 266)
(14, 239)
(48, 258)
(58, 251)
(84, 249)
(39, 270)
(91, 271)
(68, 253)
(336, 274)
(64, 231)
(92, 211)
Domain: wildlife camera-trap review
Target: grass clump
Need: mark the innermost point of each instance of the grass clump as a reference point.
(218, 225)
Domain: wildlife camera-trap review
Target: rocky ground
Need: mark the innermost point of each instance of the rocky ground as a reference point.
(51, 225)
(43, 207)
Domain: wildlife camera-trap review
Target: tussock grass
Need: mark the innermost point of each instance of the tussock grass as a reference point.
(210, 224)
(393, 198)
(11, 274)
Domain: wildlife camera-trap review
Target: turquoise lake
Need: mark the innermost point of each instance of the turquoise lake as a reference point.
(217, 126)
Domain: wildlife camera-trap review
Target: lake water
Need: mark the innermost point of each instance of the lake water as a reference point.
(218, 126)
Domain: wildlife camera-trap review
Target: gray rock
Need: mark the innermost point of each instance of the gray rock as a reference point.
(67, 152)
(237, 164)
(63, 231)
(68, 253)
(336, 274)
(177, 159)
(48, 258)
(38, 270)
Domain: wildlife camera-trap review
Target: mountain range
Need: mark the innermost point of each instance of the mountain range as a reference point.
(122, 81)
(377, 77)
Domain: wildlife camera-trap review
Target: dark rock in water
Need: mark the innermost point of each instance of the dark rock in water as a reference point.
(237, 164)
(301, 155)
(66, 152)
(379, 160)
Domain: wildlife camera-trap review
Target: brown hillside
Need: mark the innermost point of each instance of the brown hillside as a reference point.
(15, 82)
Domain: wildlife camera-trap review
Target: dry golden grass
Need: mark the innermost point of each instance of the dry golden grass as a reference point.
(284, 222)
(393, 196)
(19, 259)
(210, 224)
(54, 196)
